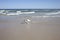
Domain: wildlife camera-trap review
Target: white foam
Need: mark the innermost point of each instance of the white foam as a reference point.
(13, 14)
(2, 11)
(28, 12)
(53, 13)
(17, 13)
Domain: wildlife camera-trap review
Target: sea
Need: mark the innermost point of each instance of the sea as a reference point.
(31, 12)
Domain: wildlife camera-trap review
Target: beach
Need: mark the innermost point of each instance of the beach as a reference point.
(40, 28)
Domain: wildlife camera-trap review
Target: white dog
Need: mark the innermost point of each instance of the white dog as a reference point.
(27, 21)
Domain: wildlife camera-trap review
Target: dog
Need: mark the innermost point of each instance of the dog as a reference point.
(27, 21)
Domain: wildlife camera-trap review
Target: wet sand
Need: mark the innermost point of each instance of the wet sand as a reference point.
(13, 28)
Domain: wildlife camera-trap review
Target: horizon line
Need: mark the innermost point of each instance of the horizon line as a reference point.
(29, 8)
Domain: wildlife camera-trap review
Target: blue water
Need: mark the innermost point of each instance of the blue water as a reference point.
(38, 12)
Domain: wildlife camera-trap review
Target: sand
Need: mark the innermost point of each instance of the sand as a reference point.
(14, 28)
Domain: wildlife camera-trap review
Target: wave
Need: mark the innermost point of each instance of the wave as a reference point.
(1, 11)
(19, 12)
(44, 13)
(28, 12)
(54, 13)
(44, 16)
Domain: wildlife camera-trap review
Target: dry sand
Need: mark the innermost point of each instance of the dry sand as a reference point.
(13, 28)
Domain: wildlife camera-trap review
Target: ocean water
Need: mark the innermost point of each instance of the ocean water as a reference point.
(31, 12)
